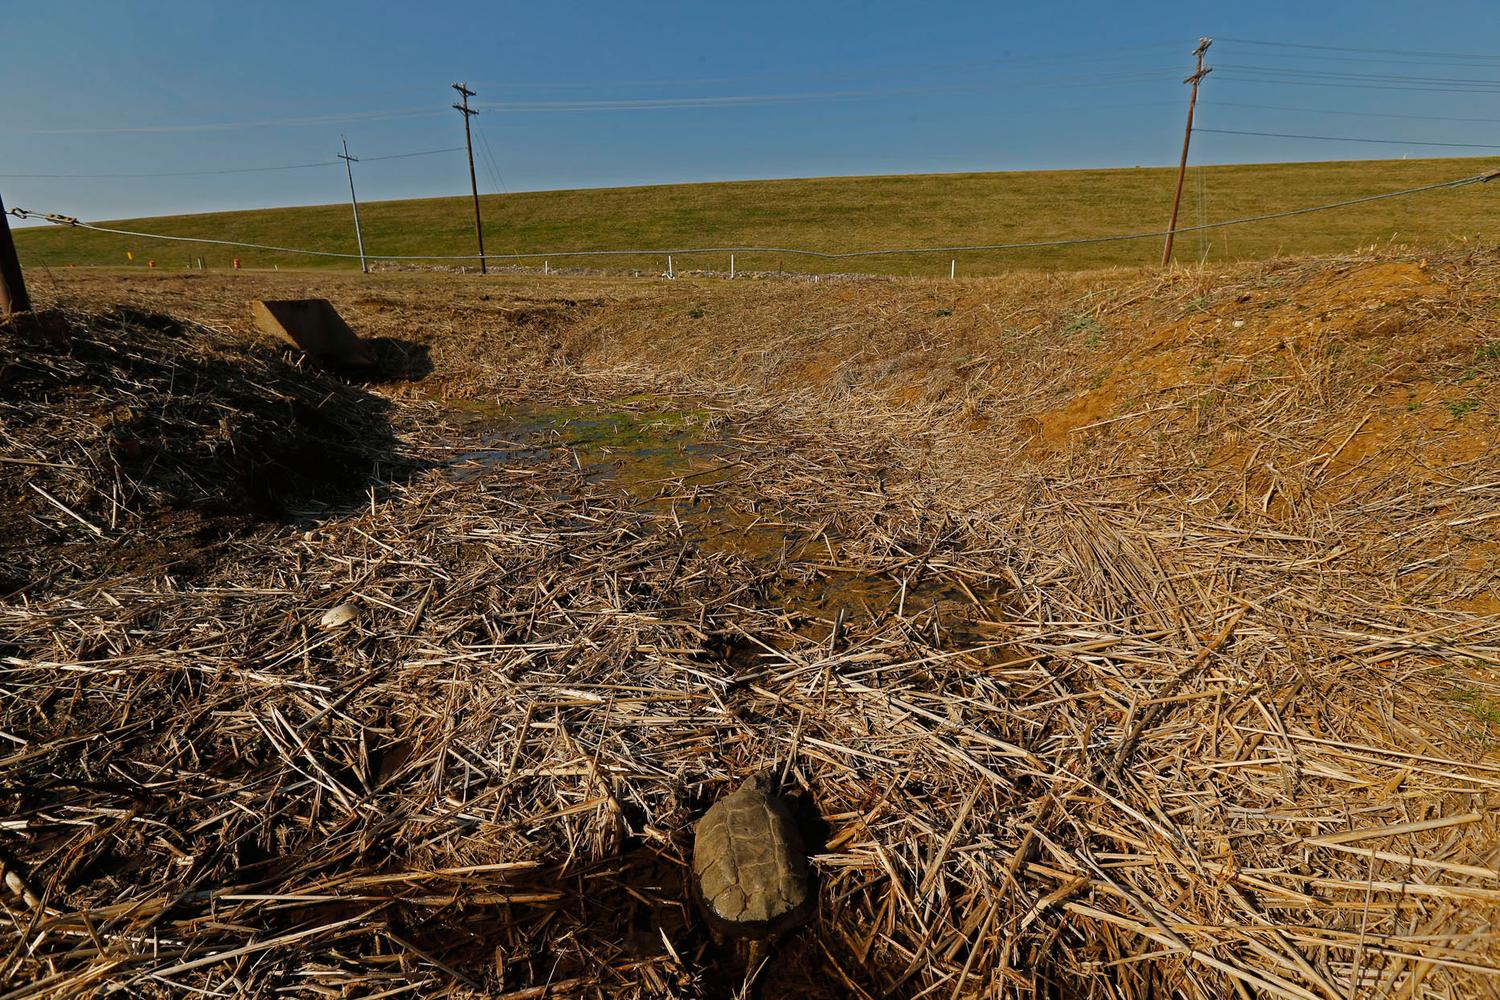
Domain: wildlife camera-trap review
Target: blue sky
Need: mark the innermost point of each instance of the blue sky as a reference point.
(588, 94)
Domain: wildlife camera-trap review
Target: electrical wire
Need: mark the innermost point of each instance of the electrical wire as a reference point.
(242, 170)
(1324, 59)
(604, 105)
(407, 156)
(189, 173)
(1346, 138)
(1374, 77)
(678, 103)
(1352, 114)
(71, 222)
(338, 119)
(635, 104)
(491, 164)
(1293, 81)
(888, 69)
(1347, 48)
(758, 100)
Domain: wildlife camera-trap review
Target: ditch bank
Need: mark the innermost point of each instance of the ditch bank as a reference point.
(1193, 686)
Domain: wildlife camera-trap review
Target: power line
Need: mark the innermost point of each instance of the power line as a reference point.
(1346, 138)
(405, 156)
(242, 170)
(598, 105)
(1323, 58)
(399, 156)
(1292, 81)
(1347, 48)
(1352, 114)
(718, 101)
(188, 173)
(757, 100)
(1374, 77)
(638, 104)
(634, 104)
(887, 69)
(491, 164)
(336, 119)
(69, 221)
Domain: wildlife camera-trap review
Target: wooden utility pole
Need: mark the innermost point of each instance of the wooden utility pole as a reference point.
(1187, 137)
(13, 297)
(358, 236)
(463, 88)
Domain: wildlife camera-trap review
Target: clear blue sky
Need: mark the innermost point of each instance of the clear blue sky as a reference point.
(587, 94)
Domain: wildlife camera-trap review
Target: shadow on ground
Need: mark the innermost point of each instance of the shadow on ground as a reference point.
(133, 442)
(396, 360)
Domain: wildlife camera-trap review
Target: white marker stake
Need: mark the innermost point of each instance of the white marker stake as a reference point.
(546, 267)
(952, 269)
(669, 267)
(731, 267)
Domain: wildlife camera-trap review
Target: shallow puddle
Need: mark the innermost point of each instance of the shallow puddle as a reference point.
(625, 444)
(671, 461)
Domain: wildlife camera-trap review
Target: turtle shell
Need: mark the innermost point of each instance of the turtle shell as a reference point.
(750, 865)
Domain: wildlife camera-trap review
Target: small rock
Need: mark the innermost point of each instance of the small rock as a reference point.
(340, 616)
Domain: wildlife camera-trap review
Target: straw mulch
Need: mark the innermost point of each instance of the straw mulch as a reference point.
(129, 439)
(1039, 758)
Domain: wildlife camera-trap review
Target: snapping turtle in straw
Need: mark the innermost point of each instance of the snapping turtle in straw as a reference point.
(750, 867)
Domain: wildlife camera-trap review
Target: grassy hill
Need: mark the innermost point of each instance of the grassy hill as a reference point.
(849, 213)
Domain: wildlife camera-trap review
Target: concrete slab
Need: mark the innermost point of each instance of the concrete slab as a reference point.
(315, 326)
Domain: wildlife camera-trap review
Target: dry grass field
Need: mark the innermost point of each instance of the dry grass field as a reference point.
(1120, 633)
(851, 213)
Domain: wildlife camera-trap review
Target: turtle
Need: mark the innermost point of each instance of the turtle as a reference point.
(750, 867)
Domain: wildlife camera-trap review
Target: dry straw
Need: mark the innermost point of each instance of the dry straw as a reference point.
(1077, 740)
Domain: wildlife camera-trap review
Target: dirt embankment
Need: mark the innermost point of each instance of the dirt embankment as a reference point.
(1359, 393)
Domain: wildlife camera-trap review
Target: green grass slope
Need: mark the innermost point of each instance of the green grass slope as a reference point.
(853, 213)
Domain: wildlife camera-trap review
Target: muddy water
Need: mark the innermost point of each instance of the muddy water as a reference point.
(673, 462)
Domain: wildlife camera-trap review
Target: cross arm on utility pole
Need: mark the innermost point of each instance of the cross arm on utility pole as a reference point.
(463, 89)
(1203, 44)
